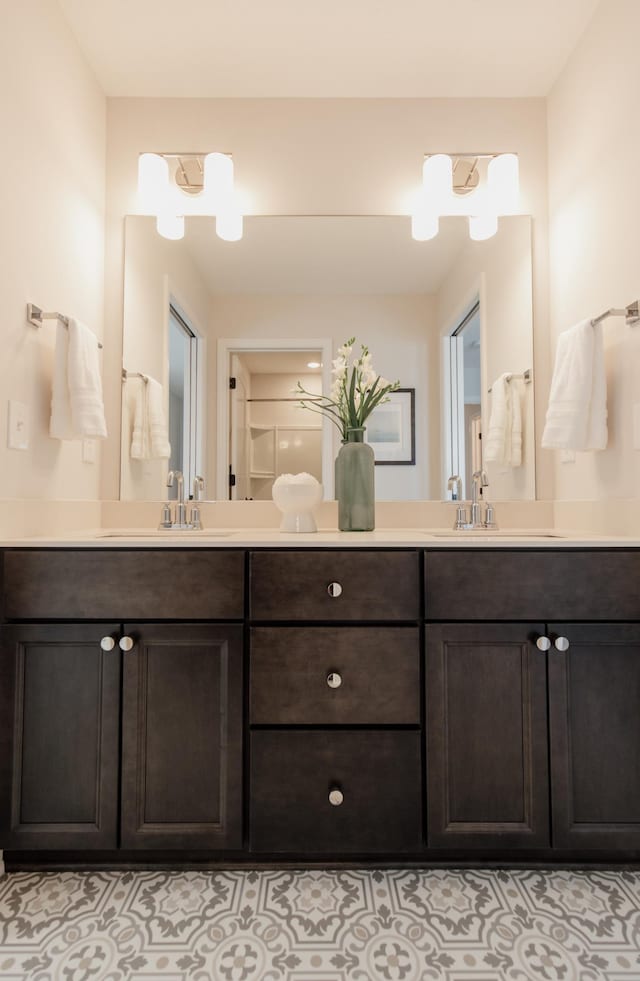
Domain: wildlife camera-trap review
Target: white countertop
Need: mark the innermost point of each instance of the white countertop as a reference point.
(330, 538)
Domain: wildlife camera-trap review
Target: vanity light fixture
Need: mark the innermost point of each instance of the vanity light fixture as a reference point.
(480, 186)
(172, 186)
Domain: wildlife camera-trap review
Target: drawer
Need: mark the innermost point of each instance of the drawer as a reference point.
(543, 584)
(371, 585)
(377, 773)
(335, 675)
(125, 585)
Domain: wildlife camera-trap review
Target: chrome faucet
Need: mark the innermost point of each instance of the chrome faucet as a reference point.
(198, 490)
(180, 520)
(479, 479)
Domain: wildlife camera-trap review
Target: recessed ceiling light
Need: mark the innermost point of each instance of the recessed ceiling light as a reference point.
(314, 364)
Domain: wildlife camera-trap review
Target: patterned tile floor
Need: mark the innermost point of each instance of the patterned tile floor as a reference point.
(321, 926)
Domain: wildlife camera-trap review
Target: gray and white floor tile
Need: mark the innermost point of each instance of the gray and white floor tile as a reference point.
(321, 926)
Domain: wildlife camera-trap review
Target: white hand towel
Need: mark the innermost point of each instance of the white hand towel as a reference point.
(60, 424)
(77, 409)
(85, 384)
(150, 439)
(577, 413)
(503, 442)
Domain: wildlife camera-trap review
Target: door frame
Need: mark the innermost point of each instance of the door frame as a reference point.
(239, 345)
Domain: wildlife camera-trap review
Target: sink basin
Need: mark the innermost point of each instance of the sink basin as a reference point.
(487, 534)
(163, 533)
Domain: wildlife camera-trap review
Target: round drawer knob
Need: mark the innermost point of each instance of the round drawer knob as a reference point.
(543, 643)
(126, 643)
(334, 589)
(561, 643)
(107, 643)
(336, 796)
(334, 680)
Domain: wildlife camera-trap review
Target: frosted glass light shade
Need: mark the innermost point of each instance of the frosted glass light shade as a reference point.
(218, 178)
(153, 182)
(424, 225)
(503, 183)
(482, 227)
(437, 179)
(170, 226)
(229, 225)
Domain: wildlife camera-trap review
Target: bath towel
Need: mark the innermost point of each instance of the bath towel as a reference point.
(577, 413)
(150, 439)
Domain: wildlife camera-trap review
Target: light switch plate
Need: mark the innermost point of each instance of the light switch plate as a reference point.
(18, 426)
(88, 451)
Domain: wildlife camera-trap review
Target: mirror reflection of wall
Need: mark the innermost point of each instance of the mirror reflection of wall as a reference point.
(184, 408)
(270, 434)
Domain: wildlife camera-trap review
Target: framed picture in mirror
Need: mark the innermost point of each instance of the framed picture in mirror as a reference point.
(391, 429)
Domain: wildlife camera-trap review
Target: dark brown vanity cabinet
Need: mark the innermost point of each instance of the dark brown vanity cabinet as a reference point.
(335, 707)
(121, 734)
(500, 773)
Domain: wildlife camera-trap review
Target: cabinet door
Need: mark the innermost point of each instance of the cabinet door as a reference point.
(59, 735)
(594, 709)
(182, 737)
(487, 773)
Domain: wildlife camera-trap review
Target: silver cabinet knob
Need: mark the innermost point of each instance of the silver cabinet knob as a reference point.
(336, 796)
(334, 680)
(543, 643)
(126, 643)
(561, 643)
(334, 589)
(107, 643)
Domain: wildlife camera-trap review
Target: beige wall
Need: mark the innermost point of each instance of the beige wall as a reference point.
(594, 200)
(53, 124)
(317, 156)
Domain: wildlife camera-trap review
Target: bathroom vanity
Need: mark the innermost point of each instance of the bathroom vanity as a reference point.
(227, 704)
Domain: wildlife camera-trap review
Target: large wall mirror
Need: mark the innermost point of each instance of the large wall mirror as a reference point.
(447, 318)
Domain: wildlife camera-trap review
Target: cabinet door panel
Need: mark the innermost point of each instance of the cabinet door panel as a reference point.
(486, 736)
(594, 707)
(182, 737)
(59, 747)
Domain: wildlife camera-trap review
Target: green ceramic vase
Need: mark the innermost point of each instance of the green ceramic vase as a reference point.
(355, 484)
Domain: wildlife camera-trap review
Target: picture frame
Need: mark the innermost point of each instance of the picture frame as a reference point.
(391, 429)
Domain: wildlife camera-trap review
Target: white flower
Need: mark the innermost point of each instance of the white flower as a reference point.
(345, 351)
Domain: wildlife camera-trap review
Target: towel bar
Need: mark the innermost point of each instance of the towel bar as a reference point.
(37, 317)
(631, 314)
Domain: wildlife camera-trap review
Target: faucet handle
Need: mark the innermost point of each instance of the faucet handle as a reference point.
(454, 484)
(198, 487)
(490, 517)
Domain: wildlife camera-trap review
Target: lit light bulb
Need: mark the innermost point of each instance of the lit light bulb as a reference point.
(229, 225)
(503, 183)
(424, 225)
(437, 180)
(153, 182)
(170, 226)
(482, 227)
(218, 180)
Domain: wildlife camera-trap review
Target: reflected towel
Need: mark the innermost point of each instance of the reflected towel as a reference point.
(503, 442)
(150, 439)
(577, 413)
(77, 408)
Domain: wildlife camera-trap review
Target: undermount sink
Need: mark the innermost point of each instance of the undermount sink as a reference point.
(164, 533)
(487, 533)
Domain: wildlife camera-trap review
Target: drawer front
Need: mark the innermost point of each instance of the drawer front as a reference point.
(369, 585)
(335, 675)
(543, 584)
(124, 585)
(377, 774)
